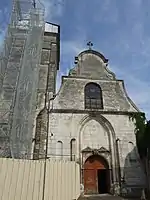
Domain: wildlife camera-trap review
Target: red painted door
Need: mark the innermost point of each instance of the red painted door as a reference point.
(90, 182)
(90, 174)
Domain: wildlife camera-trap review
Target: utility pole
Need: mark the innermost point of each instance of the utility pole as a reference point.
(46, 151)
(48, 109)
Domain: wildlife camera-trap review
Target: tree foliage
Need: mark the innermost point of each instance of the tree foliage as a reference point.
(142, 132)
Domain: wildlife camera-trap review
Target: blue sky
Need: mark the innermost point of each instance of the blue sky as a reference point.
(120, 29)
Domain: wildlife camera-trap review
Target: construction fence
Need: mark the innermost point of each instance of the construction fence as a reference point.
(39, 180)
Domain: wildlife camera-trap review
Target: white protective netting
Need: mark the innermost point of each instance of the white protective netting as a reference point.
(19, 72)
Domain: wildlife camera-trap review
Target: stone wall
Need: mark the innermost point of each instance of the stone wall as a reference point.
(94, 134)
(40, 135)
(46, 90)
(71, 95)
(92, 64)
(108, 129)
(48, 68)
(129, 160)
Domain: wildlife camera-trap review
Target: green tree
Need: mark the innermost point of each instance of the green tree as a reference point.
(142, 132)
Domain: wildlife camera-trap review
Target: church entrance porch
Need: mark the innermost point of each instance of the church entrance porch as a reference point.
(96, 175)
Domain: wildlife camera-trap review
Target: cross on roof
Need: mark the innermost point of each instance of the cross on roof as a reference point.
(90, 44)
(34, 3)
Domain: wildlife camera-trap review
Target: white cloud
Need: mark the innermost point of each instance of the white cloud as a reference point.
(53, 8)
(69, 49)
(124, 23)
(106, 11)
(137, 89)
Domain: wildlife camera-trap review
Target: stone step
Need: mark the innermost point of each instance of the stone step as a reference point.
(102, 197)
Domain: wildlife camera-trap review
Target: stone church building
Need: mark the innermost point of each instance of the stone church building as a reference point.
(89, 122)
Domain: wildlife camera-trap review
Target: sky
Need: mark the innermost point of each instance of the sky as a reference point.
(119, 29)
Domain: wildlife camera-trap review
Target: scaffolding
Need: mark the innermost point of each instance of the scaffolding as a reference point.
(19, 73)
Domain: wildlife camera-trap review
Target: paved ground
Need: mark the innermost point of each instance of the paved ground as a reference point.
(102, 197)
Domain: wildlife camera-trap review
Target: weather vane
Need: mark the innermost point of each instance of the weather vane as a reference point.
(90, 44)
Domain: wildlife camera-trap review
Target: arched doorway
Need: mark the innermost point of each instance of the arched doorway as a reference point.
(96, 175)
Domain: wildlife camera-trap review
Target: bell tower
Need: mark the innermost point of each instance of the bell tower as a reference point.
(49, 64)
(47, 86)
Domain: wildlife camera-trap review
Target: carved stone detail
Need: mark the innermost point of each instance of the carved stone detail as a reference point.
(87, 152)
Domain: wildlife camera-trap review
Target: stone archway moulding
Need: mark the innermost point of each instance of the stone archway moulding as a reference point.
(112, 142)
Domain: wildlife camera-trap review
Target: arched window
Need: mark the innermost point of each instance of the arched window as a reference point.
(93, 96)
(72, 149)
(59, 150)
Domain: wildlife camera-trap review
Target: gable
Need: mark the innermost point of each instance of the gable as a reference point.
(92, 64)
(71, 95)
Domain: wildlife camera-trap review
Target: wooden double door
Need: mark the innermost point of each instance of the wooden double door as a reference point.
(96, 176)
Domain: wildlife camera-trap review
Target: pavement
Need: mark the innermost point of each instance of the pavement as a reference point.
(103, 197)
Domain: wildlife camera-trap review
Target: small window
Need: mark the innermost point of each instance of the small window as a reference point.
(59, 150)
(73, 149)
(93, 96)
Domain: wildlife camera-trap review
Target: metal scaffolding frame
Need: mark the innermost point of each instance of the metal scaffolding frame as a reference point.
(19, 73)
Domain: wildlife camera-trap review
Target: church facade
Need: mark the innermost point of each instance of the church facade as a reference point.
(89, 123)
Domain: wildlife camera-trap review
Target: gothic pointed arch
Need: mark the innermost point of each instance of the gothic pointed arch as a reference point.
(111, 137)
